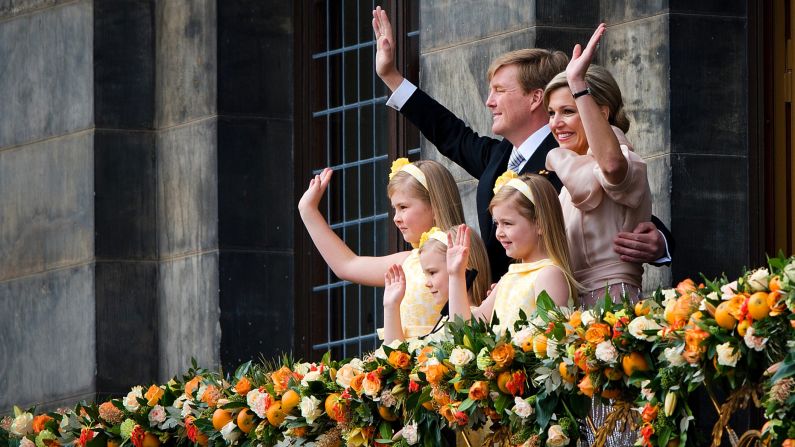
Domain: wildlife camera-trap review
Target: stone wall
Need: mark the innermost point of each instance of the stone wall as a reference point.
(144, 147)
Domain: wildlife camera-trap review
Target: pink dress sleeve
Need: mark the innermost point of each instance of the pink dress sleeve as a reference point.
(631, 191)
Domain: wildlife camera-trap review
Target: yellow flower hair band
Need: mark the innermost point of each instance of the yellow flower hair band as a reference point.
(509, 178)
(433, 233)
(403, 164)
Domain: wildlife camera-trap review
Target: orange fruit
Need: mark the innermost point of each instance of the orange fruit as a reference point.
(290, 400)
(245, 420)
(540, 346)
(221, 417)
(723, 316)
(565, 374)
(502, 381)
(275, 414)
(151, 440)
(743, 327)
(613, 373)
(757, 306)
(387, 414)
(112, 443)
(774, 284)
(635, 361)
(334, 407)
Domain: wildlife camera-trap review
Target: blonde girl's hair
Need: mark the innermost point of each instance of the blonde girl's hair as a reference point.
(547, 214)
(441, 195)
(478, 260)
(605, 92)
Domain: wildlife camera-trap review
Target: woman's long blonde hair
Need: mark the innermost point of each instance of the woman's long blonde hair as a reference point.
(477, 260)
(547, 214)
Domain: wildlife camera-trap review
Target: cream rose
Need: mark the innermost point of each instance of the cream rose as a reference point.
(727, 354)
(587, 318)
(229, 433)
(22, 425)
(346, 373)
(310, 408)
(606, 352)
(521, 407)
(754, 342)
(556, 437)
(461, 356)
(410, 433)
(311, 376)
(759, 279)
(25, 442)
(371, 385)
(131, 400)
(669, 295)
(728, 290)
(673, 356)
(640, 325)
(157, 416)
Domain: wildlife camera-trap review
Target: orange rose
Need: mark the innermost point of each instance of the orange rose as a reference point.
(211, 395)
(153, 395)
(435, 373)
(678, 311)
(371, 384)
(399, 359)
(597, 333)
(440, 396)
(788, 443)
(192, 385)
(357, 382)
(694, 337)
(479, 390)
(502, 355)
(581, 359)
(686, 286)
(39, 422)
(586, 386)
(281, 379)
(243, 386)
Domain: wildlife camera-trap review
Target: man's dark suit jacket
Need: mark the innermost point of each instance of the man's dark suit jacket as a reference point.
(484, 158)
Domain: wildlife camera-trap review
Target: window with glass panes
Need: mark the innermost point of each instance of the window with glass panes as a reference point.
(345, 124)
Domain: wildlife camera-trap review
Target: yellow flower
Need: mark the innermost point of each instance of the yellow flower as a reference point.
(611, 318)
(427, 235)
(503, 179)
(397, 165)
(356, 438)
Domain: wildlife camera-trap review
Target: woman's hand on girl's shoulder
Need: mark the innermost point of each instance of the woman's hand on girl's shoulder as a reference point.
(314, 193)
(394, 286)
(458, 251)
(553, 280)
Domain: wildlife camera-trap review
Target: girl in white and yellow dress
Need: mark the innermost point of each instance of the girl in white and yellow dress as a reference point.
(530, 227)
(423, 194)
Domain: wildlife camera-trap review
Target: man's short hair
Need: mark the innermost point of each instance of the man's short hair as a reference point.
(536, 66)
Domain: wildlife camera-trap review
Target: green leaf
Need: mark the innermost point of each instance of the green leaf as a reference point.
(502, 402)
(466, 404)
(545, 408)
(242, 370)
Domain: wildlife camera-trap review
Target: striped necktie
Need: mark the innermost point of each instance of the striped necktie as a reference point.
(515, 161)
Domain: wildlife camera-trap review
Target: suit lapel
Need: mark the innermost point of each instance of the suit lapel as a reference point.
(538, 159)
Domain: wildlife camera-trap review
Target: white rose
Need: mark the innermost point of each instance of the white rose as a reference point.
(380, 353)
(310, 408)
(229, 433)
(606, 352)
(415, 344)
(157, 416)
(669, 295)
(754, 342)
(759, 279)
(674, 356)
(410, 433)
(311, 376)
(638, 326)
(727, 355)
(522, 408)
(187, 406)
(461, 356)
(556, 437)
(587, 318)
(22, 425)
(346, 373)
(131, 400)
(25, 442)
(302, 368)
(728, 290)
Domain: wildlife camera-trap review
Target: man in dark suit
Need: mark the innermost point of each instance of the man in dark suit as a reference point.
(516, 90)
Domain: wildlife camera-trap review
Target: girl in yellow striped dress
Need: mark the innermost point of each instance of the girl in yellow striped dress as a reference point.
(530, 228)
(423, 194)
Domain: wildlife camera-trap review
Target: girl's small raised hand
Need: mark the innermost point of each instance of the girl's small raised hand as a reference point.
(458, 251)
(314, 193)
(394, 286)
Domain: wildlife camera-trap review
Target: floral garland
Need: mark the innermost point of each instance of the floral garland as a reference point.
(468, 385)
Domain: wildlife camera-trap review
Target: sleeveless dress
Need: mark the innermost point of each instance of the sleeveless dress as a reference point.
(419, 311)
(516, 291)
